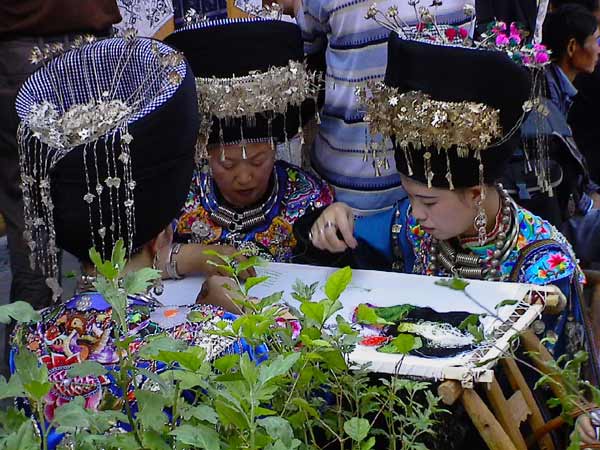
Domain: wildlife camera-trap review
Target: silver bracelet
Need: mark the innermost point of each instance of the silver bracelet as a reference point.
(171, 266)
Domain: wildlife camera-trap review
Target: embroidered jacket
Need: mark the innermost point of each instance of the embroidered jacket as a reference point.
(297, 191)
(550, 262)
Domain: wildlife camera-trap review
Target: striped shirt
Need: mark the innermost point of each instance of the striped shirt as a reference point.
(356, 52)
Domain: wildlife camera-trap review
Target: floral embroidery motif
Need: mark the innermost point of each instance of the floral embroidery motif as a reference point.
(548, 265)
(71, 333)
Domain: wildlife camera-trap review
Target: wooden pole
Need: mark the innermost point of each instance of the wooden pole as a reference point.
(517, 382)
(503, 413)
(489, 428)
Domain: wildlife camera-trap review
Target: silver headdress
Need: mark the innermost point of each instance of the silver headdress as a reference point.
(86, 98)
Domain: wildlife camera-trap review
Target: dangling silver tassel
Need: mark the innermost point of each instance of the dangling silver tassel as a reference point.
(244, 154)
(449, 172)
(221, 142)
(428, 171)
(407, 158)
(157, 287)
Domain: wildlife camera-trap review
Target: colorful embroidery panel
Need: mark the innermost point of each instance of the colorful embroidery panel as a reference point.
(82, 330)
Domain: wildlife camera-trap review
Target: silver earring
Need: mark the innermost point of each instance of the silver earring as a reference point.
(157, 287)
(480, 223)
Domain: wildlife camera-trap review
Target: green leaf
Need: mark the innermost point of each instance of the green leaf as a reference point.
(231, 416)
(162, 342)
(11, 389)
(226, 259)
(22, 312)
(367, 315)
(248, 369)
(139, 281)
(507, 302)
(198, 436)
(278, 428)
(253, 261)
(38, 389)
(394, 313)
(357, 428)
(337, 283)
(104, 268)
(226, 363)
(253, 281)
(455, 283)
(153, 440)
(277, 367)
(118, 256)
(203, 412)
(150, 412)
(192, 358)
(313, 311)
(72, 416)
(23, 439)
(86, 368)
(471, 319)
(403, 344)
(368, 444)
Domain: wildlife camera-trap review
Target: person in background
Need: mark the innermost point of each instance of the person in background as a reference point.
(582, 115)
(356, 52)
(25, 24)
(571, 32)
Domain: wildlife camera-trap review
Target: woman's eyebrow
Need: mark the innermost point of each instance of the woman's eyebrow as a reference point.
(430, 197)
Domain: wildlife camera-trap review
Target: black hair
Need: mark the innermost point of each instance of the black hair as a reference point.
(570, 21)
(591, 5)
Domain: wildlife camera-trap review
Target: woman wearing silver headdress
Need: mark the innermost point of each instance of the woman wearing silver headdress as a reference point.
(106, 158)
(253, 97)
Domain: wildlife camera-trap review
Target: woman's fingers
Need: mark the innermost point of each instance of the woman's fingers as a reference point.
(324, 232)
(219, 291)
(586, 430)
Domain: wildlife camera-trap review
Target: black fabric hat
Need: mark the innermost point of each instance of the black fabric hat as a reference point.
(458, 74)
(234, 48)
(127, 181)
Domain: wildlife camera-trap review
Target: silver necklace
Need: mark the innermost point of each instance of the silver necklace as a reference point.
(467, 265)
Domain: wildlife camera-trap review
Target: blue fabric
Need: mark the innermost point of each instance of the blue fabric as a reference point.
(375, 230)
(560, 89)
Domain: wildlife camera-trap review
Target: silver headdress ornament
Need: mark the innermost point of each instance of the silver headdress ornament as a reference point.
(499, 36)
(86, 97)
(268, 93)
(423, 26)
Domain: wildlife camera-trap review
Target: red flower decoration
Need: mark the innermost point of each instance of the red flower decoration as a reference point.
(374, 341)
(556, 260)
(451, 33)
(463, 33)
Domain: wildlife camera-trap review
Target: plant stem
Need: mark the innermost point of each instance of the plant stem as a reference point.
(42, 422)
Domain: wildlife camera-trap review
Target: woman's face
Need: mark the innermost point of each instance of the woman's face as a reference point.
(584, 58)
(442, 213)
(242, 182)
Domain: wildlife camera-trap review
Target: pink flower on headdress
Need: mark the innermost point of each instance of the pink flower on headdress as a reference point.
(539, 47)
(501, 40)
(514, 29)
(541, 57)
(527, 60)
(464, 33)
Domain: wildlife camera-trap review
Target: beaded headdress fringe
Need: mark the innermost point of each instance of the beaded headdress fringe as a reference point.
(79, 100)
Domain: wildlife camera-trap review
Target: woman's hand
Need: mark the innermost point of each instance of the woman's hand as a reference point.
(220, 291)
(324, 232)
(587, 432)
(191, 259)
